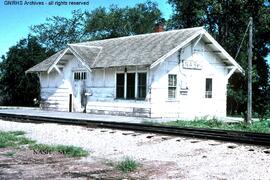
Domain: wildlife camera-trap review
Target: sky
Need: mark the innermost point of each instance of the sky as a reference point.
(16, 19)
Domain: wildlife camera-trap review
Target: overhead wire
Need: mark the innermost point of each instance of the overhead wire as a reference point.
(239, 48)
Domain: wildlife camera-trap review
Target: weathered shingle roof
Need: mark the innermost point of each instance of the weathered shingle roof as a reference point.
(142, 49)
(138, 50)
(46, 64)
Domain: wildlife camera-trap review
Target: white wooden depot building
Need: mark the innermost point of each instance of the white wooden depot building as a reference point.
(180, 73)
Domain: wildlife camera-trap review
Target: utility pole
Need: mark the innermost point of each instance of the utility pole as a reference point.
(249, 100)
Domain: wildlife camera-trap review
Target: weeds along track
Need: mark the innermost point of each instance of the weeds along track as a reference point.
(262, 139)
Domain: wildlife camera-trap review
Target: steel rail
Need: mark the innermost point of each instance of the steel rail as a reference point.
(262, 139)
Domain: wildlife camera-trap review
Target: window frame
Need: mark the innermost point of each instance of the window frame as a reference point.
(208, 90)
(83, 75)
(174, 86)
(141, 86)
(79, 75)
(136, 84)
(116, 94)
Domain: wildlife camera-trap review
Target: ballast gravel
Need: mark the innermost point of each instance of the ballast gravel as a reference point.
(195, 158)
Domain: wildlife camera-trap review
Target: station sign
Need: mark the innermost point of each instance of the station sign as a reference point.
(191, 64)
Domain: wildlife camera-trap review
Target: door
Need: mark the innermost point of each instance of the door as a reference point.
(79, 90)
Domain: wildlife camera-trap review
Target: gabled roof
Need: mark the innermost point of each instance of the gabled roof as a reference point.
(46, 64)
(140, 49)
(87, 54)
(146, 49)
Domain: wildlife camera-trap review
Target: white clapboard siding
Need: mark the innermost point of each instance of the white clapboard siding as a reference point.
(101, 85)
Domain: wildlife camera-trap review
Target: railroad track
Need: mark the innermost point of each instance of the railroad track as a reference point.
(262, 139)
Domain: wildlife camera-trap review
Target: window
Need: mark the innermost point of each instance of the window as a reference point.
(77, 76)
(172, 82)
(83, 75)
(130, 85)
(127, 89)
(208, 88)
(80, 75)
(120, 84)
(141, 85)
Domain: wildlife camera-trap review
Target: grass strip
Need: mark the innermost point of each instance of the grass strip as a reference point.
(10, 154)
(13, 139)
(71, 151)
(257, 126)
(17, 138)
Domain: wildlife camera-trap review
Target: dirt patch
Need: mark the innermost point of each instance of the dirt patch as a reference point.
(26, 164)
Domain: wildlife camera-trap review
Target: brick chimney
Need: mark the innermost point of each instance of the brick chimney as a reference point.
(159, 27)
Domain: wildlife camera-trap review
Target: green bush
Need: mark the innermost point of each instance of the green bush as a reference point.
(127, 165)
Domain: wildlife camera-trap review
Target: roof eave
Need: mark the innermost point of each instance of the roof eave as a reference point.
(224, 52)
(57, 60)
(34, 71)
(210, 38)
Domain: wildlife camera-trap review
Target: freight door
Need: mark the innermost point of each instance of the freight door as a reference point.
(79, 90)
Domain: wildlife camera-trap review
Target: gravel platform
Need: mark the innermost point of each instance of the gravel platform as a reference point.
(194, 158)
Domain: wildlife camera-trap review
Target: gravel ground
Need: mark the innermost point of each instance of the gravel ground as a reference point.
(194, 158)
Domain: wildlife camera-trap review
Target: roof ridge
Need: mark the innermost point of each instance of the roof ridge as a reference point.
(140, 35)
(83, 45)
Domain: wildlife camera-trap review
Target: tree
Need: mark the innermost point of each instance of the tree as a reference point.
(100, 23)
(187, 13)
(227, 20)
(17, 88)
(58, 31)
(117, 22)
